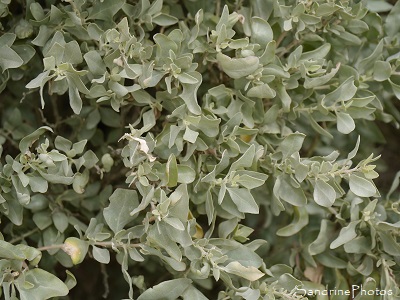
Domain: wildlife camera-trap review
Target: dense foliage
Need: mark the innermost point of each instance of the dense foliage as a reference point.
(198, 149)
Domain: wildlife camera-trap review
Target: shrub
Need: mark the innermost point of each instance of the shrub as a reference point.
(198, 149)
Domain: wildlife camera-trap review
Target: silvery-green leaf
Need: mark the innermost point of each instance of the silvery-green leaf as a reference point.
(261, 91)
(378, 6)
(191, 293)
(168, 290)
(105, 10)
(190, 135)
(299, 221)
(90, 159)
(324, 193)
(28, 140)
(361, 186)
(60, 221)
(117, 214)
(162, 240)
(164, 20)
(238, 67)
(174, 222)
(44, 285)
(80, 181)
(320, 244)
(189, 94)
(186, 174)
(243, 200)
(382, 70)
(345, 123)
(75, 99)
(389, 243)
(355, 150)
(95, 63)
(346, 234)
(102, 255)
(291, 144)
(38, 184)
(261, 32)
(287, 192)
(9, 59)
(245, 160)
(249, 273)
(171, 170)
(318, 81)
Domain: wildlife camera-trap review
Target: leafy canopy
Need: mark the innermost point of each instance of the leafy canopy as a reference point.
(209, 149)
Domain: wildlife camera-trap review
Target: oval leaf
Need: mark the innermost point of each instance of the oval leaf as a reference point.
(361, 186)
(324, 193)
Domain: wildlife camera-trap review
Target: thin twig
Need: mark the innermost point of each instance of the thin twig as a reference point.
(110, 244)
(218, 8)
(6, 135)
(23, 236)
(105, 281)
(288, 47)
(50, 247)
(280, 38)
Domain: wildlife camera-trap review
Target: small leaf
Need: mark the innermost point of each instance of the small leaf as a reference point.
(80, 181)
(9, 59)
(167, 290)
(43, 285)
(60, 221)
(291, 144)
(186, 174)
(117, 214)
(172, 171)
(382, 70)
(28, 140)
(95, 63)
(324, 193)
(300, 220)
(245, 161)
(164, 20)
(174, 222)
(102, 255)
(320, 244)
(261, 91)
(90, 159)
(378, 6)
(190, 135)
(38, 184)
(70, 282)
(9, 251)
(287, 192)
(249, 273)
(355, 150)
(346, 234)
(345, 123)
(238, 67)
(261, 31)
(361, 186)
(105, 10)
(191, 293)
(75, 100)
(389, 243)
(243, 200)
